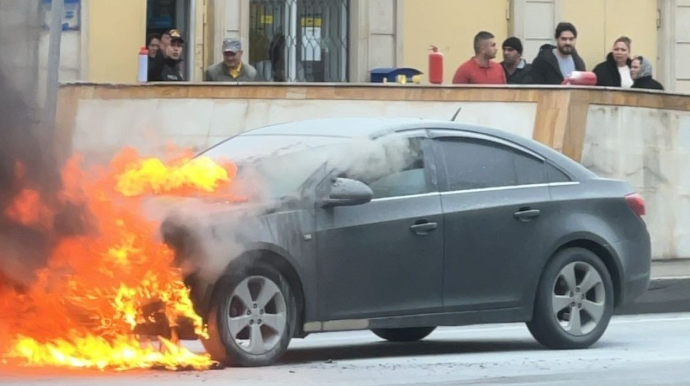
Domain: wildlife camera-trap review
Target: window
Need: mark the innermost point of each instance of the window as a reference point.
(299, 40)
(396, 170)
(553, 174)
(478, 164)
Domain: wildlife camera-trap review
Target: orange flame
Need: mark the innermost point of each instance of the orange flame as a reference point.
(84, 306)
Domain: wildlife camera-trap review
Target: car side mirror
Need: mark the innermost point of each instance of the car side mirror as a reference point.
(348, 192)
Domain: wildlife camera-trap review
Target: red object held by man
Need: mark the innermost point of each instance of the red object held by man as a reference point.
(581, 78)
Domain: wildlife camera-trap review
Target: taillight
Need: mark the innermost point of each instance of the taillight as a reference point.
(636, 204)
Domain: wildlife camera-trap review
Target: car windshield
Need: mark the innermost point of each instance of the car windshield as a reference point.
(281, 163)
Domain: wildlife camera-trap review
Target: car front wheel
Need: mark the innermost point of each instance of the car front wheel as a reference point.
(252, 318)
(574, 301)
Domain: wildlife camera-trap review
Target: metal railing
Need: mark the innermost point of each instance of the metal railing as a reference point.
(300, 40)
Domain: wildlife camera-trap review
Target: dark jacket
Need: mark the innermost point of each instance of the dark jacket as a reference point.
(171, 72)
(167, 72)
(607, 72)
(647, 82)
(545, 69)
(162, 69)
(519, 75)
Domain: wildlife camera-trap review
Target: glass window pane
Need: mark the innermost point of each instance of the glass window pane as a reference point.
(299, 40)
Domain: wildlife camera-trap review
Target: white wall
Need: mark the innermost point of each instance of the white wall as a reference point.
(105, 126)
(650, 148)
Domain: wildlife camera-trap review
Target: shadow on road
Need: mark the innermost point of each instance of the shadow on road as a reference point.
(390, 350)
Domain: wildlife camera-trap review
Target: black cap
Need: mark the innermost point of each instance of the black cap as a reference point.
(513, 43)
(175, 35)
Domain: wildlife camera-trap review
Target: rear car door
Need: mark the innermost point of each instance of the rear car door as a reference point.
(384, 258)
(493, 193)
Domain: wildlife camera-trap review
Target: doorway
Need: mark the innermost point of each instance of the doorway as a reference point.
(164, 15)
(300, 40)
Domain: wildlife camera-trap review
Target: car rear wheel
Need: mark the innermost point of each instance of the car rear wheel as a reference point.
(403, 334)
(574, 301)
(252, 318)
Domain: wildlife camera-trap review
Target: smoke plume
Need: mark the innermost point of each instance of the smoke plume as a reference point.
(30, 186)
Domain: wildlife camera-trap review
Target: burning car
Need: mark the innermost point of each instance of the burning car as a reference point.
(402, 225)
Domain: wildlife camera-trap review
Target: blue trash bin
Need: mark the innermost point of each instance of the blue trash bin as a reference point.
(390, 74)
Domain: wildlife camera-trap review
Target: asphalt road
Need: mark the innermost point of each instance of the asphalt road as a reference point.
(636, 350)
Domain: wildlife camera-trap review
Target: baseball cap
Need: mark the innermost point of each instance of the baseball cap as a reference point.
(175, 35)
(232, 45)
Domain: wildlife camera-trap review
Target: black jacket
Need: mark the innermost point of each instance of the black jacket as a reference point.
(607, 72)
(162, 69)
(520, 73)
(170, 72)
(545, 69)
(647, 82)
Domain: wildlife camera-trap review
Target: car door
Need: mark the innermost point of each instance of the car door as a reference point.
(492, 195)
(385, 257)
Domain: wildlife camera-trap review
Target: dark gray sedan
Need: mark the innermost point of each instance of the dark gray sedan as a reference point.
(402, 225)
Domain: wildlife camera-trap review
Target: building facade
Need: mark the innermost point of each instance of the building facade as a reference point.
(342, 40)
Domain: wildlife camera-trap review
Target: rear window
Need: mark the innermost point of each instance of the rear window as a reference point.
(553, 174)
(480, 164)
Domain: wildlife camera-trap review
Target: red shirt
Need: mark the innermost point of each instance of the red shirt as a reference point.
(471, 72)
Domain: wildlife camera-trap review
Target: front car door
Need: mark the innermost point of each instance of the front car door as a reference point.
(492, 193)
(384, 258)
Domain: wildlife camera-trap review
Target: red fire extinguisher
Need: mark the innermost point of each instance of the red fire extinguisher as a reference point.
(435, 66)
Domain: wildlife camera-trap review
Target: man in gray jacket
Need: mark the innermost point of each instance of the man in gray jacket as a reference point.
(231, 69)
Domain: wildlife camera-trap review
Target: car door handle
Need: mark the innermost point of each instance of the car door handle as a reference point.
(527, 214)
(423, 228)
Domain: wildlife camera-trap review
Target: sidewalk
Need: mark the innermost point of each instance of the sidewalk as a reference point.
(669, 290)
(671, 269)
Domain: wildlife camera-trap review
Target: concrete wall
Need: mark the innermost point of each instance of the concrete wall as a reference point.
(641, 137)
(199, 123)
(650, 148)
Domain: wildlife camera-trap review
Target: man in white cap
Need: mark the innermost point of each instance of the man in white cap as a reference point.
(231, 69)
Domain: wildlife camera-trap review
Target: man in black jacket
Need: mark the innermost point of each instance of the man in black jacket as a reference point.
(515, 67)
(166, 67)
(555, 63)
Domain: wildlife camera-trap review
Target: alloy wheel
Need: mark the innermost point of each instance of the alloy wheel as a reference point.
(257, 315)
(578, 298)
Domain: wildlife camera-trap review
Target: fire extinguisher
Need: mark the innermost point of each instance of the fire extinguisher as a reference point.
(435, 66)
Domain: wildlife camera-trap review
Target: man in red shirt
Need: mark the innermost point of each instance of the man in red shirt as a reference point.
(481, 69)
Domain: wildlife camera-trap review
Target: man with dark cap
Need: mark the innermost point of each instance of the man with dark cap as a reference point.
(231, 69)
(513, 64)
(165, 67)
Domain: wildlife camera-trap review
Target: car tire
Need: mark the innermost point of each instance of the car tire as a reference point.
(403, 334)
(240, 334)
(574, 301)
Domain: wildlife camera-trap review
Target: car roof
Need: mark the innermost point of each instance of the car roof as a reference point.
(333, 127)
(375, 127)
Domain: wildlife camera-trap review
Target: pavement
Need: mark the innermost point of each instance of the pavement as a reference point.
(639, 350)
(669, 290)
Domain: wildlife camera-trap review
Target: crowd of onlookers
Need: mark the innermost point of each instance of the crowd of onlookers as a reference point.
(553, 64)
(165, 57)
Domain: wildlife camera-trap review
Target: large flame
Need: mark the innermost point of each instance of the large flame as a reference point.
(83, 307)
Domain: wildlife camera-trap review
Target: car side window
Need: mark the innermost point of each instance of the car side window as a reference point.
(553, 174)
(398, 172)
(479, 164)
